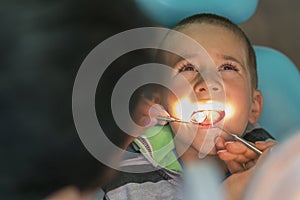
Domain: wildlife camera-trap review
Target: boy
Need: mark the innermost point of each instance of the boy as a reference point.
(238, 104)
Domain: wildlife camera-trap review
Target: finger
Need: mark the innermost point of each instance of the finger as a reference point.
(158, 110)
(220, 143)
(234, 167)
(262, 145)
(144, 105)
(228, 156)
(141, 110)
(149, 118)
(235, 163)
(146, 112)
(250, 164)
(225, 155)
(237, 147)
(141, 120)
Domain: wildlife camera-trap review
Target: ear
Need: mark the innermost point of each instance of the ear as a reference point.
(256, 107)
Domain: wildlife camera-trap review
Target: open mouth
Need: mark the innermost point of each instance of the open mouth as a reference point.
(207, 118)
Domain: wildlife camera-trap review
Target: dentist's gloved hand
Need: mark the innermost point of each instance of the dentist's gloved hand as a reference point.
(237, 156)
(236, 185)
(146, 112)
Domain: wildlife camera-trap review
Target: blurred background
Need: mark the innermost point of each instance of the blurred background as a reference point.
(276, 24)
(43, 44)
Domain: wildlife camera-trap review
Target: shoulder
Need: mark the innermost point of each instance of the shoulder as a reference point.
(138, 178)
(146, 190)
(258, 134)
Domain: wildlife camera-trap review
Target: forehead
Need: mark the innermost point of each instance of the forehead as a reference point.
(218, 41)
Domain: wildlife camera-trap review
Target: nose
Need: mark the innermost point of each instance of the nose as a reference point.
(203, 86)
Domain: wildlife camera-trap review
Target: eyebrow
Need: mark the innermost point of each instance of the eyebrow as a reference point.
(231, 58)
(177, 58)
(188, 56)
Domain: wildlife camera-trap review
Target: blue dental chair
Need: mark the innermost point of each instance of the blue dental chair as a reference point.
(279, 81)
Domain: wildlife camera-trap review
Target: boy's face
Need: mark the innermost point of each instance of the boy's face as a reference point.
(234, 111)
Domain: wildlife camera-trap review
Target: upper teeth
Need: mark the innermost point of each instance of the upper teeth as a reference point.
(213, 116)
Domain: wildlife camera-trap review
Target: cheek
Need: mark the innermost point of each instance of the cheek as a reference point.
(238, 95)
(173, 106)
(183, 133)
(170, 100)
(239, 99)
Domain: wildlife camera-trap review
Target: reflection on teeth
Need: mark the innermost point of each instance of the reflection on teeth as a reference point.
(198, 117)
(213, 116)
(185, 109)
(206, 116)
(211, 106)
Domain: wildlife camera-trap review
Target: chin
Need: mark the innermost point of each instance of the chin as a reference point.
(205, 150)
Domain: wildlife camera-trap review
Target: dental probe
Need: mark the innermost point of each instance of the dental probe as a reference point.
(250, 146)
(245, 142)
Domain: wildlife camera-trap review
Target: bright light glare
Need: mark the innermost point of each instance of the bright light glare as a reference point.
(184, 108)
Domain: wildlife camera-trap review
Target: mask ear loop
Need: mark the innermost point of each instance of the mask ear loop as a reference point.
(210, 138)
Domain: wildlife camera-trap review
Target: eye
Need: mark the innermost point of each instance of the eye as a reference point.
(187, 67)
(228, 67)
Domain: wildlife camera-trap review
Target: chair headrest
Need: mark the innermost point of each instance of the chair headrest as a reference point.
(279, 81)
(168, 13)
